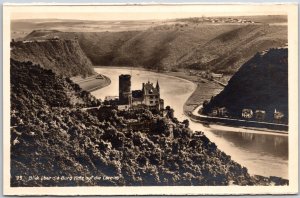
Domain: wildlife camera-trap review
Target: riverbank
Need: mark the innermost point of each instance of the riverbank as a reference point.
(244, 129)
(92, 83)
(264, 126)
(205, 89)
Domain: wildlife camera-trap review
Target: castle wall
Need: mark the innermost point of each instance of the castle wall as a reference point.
(151, 100)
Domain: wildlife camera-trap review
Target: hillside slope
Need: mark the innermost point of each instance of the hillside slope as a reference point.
(228, 51)
(260, 84)
(53, 137)
(64, 57)
(220, 48)
(163, 46)
(100, 47)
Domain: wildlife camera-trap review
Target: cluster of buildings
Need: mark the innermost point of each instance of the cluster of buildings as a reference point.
(220, 20)
(205, 74)
(148, 96)
(261, 114)
(258, 115)
(230, 20)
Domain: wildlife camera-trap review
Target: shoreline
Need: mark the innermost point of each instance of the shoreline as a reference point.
(107, 82)
(92, 83)
(242, 124)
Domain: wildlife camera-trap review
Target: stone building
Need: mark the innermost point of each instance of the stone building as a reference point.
(148, 96)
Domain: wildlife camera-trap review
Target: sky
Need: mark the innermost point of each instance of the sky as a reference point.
(139, 12)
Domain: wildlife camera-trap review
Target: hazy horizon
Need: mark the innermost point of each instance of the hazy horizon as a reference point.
(148, 19)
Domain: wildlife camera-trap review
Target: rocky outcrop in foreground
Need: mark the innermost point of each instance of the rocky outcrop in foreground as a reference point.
(56, 142)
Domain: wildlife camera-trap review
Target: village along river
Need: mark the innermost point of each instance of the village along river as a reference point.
(263, 153)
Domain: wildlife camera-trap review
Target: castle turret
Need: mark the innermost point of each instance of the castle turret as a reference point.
(157, 86)
(125, 89)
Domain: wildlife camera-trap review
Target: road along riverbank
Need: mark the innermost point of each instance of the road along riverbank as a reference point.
(245, 129)
(280, 128)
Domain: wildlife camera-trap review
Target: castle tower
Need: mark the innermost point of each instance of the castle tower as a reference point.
(125, 89)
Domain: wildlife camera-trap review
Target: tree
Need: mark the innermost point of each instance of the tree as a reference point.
(205, 103)
(186, 122)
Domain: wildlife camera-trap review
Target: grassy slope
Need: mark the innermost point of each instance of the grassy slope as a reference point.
(165, 45)
(228, 51)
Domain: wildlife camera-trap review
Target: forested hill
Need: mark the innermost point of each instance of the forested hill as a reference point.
(220, 48)
(260, 84)
(53, 137)
(64, 57)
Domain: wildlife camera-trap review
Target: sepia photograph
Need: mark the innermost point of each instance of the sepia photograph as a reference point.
(159, 99)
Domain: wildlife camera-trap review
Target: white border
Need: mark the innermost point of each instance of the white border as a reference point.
(268, 8)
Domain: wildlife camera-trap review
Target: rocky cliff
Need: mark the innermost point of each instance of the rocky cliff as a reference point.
(260, 84)
(64, 57)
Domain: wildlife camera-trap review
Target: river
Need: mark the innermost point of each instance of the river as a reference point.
(263, 153)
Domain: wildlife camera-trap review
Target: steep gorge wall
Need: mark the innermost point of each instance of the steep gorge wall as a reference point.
(220, 48)
(64, 57)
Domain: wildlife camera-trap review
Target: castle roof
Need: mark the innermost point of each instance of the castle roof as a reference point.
(149, 89)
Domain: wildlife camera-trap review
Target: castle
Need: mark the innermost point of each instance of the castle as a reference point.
(148, 96)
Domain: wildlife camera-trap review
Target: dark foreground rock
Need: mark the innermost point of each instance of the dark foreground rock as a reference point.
(57, 142)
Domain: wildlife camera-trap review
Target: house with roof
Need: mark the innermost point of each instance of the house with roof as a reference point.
(222, 111)
(260, 114)
(247, 113)
(214, 75)
(278, 115)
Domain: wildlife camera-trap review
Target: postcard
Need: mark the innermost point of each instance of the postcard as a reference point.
(150, 99)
